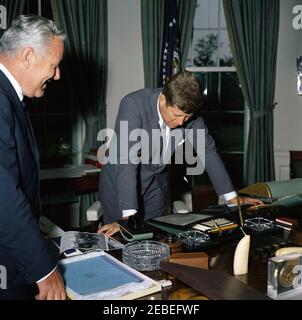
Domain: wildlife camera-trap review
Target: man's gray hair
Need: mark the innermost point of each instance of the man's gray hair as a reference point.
(29, 31)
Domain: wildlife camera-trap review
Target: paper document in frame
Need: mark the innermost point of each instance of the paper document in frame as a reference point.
(99, 276)
(87, 241)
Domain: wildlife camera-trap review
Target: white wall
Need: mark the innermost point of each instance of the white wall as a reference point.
(288, 112)
(125, 59)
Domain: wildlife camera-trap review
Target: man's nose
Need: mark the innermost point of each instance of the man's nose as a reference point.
(181, 121)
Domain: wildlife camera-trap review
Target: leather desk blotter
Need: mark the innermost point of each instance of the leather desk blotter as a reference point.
(216, 285)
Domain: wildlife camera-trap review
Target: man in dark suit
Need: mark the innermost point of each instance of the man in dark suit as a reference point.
(135, 190)
(30, 53)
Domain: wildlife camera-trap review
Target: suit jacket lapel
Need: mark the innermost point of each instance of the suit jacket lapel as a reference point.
(153, 105)
(155, 125)
(21, 114)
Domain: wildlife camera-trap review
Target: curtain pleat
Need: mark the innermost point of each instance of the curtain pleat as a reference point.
(13, 9)
(152, 20)
(253, 27)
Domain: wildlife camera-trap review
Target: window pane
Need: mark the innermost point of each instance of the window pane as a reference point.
(222, 23)
(55, 99)
(227, 130)
(53, 134)
(205, 48)
(226, 58)
(231, 94)
(234, 166)
(210, 82)
(206, 15)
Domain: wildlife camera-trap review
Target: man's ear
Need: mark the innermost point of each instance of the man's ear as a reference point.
(162, 100)
(27, 57)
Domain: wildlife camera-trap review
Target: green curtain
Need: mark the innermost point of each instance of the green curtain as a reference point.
(253, 27)
(152, 13)
(186, 14)
(152, 20)
(13, 9)
(85, 23)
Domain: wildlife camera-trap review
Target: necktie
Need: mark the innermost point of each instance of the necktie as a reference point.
(29, 128)
(164, 137)
(163, 131)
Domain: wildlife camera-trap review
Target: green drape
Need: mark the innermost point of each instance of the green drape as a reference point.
(253, 27)
(186, 14)
(86, 26)
(152, 20)
(13, 9)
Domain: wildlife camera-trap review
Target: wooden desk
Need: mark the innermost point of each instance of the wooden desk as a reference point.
(78, 185)
(70, 179)
(221, 259)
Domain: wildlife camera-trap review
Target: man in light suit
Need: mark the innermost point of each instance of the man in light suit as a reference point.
(132, 189)
(30, 53)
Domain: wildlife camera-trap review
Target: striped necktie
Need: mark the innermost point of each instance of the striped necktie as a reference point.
(29, 127)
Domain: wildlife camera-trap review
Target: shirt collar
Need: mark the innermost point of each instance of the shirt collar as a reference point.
(13, 81)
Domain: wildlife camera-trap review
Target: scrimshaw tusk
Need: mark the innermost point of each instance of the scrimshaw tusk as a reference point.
(241, 257)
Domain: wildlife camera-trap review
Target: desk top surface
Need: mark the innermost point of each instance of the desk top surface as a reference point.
(73, 171)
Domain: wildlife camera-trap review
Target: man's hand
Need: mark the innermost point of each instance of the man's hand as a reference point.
(51, 288)
(109, 229)
(244, 200)
(134, 223)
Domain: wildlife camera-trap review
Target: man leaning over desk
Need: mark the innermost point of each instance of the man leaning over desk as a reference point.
(138, 191)
(30, 53)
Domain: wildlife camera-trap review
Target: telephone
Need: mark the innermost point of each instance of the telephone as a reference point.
(135, 230)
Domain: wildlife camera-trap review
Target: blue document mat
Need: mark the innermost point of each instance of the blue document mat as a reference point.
(96, 274)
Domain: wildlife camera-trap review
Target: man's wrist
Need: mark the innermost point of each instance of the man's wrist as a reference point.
(229, 196)
(129, 212)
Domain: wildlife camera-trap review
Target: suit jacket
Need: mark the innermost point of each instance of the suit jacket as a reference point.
(144, 186)
(23, 251)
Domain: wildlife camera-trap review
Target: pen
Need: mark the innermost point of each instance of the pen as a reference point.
(224, 228)
(239, 210)
(216, 225)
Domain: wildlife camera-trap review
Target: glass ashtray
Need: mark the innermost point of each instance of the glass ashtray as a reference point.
(193, 238)
(145, 255)
(259, 224)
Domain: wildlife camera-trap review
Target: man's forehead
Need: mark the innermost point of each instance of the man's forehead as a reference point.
(179, 112)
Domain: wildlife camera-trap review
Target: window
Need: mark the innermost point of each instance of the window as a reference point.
(210, 43)
(210, 58)
(52, 115)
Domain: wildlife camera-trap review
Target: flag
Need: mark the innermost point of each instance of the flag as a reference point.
(170, 59)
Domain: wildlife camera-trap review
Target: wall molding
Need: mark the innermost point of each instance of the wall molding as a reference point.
(282, 168)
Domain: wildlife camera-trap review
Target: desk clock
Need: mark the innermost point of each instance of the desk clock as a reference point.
(284, 276)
